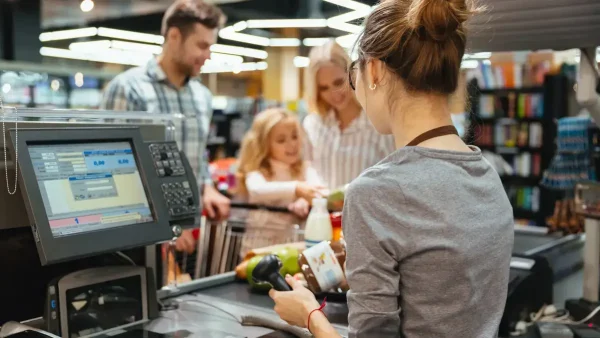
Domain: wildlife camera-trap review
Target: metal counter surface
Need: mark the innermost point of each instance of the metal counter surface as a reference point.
(216, 310)
(337, 313)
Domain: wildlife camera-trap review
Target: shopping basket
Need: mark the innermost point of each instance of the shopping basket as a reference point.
(221, 246)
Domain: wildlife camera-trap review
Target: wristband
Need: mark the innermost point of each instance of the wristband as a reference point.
(315, 310)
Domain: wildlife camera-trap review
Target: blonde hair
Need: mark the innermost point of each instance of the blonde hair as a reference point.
(327, 54)
(254, 153)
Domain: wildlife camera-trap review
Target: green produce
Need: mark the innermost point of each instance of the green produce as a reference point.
(335, 200)
(289, 260)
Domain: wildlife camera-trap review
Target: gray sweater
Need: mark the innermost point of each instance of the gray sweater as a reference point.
(429, 237)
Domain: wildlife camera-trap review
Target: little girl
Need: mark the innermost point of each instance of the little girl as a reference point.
(271, 172)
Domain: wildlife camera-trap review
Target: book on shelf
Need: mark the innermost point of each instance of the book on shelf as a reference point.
(525, 198)
(511, 106)
(509, 75)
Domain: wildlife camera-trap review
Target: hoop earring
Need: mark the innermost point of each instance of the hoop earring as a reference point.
(373, 86)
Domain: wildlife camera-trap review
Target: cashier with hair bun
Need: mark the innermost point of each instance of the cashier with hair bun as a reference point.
(429, 229)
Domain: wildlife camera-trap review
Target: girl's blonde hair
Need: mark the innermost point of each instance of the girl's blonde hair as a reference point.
(327, 54)
(254, 153)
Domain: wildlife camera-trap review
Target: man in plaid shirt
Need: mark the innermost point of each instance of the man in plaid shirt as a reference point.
(168, 85)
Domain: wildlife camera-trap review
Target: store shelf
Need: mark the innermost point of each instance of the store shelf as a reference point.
(509, 150)
(524, 213)
(520, 180)
(506, 91)
(509, 120)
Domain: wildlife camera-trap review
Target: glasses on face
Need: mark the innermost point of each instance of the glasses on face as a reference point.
(352, 74)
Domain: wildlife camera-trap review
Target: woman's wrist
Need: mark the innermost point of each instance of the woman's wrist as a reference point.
(309, 311)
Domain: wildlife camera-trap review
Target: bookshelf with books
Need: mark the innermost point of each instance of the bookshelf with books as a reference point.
(519, 124)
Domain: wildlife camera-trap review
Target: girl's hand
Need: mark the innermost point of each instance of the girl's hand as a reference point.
(307, 191)
(300, 207)
(294, 306)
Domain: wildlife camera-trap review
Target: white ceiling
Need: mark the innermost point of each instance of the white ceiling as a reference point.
(511, 25)
(65, 13)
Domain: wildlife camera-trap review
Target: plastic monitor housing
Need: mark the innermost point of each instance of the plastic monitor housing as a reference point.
(53, 249)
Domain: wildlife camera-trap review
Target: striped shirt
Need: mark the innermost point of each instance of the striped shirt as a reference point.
(147, 89)
(340, 156)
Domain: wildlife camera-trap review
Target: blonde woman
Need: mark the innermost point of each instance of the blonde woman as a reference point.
(272, 172)
(341, 140)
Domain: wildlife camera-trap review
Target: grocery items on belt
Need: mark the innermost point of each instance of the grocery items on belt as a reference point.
(335, 199)
(289, 260)
(318, 224)
(323, 266)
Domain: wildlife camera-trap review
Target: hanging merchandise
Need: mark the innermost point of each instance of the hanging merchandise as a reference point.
(573, 160)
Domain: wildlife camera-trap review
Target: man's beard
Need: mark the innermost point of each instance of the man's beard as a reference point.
(187, 70)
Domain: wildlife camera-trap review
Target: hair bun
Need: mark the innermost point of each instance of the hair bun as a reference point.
(438, 19)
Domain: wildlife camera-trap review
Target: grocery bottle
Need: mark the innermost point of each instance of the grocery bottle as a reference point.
(318, 224)
(323, 266)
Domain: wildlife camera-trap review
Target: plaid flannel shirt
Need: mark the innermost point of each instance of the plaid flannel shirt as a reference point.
(147, 89)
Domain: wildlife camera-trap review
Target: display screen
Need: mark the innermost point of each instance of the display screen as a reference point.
(104, 306)
(89, 186)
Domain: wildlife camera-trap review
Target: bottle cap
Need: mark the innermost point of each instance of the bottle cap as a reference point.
(319, 202)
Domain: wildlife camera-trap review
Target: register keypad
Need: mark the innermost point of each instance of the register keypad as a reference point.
(175, 185)
(179, 197)
(167, 159)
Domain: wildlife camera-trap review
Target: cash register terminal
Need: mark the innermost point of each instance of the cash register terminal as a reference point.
(89, 191)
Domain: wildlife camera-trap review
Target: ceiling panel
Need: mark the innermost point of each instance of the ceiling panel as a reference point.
(535, 24)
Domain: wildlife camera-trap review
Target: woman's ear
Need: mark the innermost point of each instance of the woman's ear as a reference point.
(375, 72)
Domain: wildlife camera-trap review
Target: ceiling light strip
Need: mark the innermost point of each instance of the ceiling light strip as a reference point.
(312, 42)
(354, 5)
(287, 23)
(229, 33)
(129, 35)
(285, 42)
(351, 16)
(343, 26)
(301, 61)
(249, 52)
(68, 34)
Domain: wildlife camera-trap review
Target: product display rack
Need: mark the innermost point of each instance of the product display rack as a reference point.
(554, 93)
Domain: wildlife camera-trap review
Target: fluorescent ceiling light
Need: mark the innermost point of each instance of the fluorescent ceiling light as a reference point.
(284, 42)
(347, 41)
(344, 26)
(88, 46)
(478, 56)
(229, 33)
(355, 5)
(68, 34)
(129, 35)
(249, 52)
(108, 56)
(262, 65)
(243, 67)
(469, 64)
(301, 61)
(224, 58)
(312, 42)
(287, 23)
(136, 47)
(351, 16)
(240, 26)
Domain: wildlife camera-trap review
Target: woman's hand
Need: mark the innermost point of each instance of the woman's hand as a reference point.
(308, 191)
(300, 207)
(294, 306)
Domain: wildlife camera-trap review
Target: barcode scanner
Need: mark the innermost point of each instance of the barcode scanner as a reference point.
(267, 271)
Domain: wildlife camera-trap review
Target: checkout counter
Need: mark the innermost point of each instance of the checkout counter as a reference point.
(96, 190)
(91, 191)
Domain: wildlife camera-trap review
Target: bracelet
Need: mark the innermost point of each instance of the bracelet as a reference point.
(315, 310)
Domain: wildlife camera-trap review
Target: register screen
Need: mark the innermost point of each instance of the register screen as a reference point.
(89, 186)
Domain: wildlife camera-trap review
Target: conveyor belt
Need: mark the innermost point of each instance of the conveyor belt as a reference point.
(337, 313)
